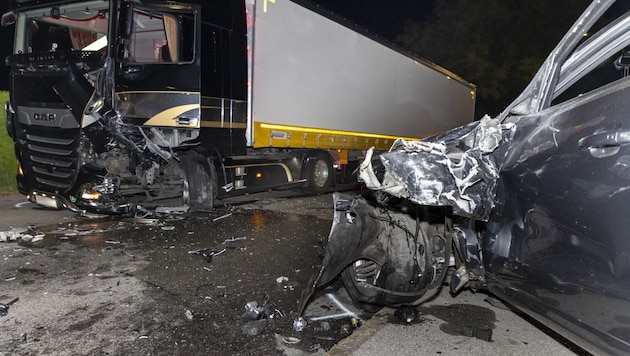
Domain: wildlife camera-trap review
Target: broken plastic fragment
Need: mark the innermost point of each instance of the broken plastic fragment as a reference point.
(29, 234)
(222, 217)
(253, 310)
(171, 210)
(188, 314)
(299, 324)
(481, 334)
(144, 331)
(19, 337)
(233, 239)
(208, 254)
(4, 308)
(254, 327)
(290, 340)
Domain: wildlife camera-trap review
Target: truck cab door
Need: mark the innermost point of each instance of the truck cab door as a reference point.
(158, 57)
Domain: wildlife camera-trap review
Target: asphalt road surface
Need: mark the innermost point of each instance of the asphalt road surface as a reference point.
(220, 282)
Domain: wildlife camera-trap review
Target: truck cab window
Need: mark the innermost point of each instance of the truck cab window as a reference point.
(160, 37)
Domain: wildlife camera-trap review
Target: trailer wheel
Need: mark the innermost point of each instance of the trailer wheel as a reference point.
(200, 182)
(319, 173)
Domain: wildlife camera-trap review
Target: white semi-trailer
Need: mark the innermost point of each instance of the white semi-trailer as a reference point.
(119, 103)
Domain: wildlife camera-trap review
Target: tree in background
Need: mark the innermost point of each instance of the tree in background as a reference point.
(496, 44)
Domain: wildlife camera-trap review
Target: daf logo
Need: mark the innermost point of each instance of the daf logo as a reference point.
(45, 117)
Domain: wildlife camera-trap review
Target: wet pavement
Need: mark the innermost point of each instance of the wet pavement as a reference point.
(221, 282)
(226, 281)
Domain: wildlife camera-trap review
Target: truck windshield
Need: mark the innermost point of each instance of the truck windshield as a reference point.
(66, 28)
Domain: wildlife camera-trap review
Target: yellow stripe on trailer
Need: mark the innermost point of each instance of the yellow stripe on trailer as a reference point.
(286, 136)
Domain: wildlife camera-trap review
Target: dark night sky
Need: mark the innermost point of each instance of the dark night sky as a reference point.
(380, 17)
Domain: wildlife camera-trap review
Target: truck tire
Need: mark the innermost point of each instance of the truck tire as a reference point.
(200, 182)
(319, 173)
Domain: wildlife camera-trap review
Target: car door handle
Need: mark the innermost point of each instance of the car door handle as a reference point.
(604, 140)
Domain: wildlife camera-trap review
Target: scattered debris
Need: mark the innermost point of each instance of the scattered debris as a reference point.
(299, 324)
(147, 221)
(188, 314)
(256, 311)
(18, 337)
(4, 308)
(406, 314)
(112, 242)
(144, 331)
(233, 239)
(208, 254)
(254, 327)
(481, 334)
(171, 210)
(346, 312)
(168, 227)
(28, 234)
(290, 340)
(259, 313)
(222, 217)
(281, 279)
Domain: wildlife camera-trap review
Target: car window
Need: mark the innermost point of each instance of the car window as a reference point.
(599, 59)
(607, 71)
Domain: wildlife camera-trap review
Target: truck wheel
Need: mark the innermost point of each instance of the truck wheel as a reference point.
(319, 173)
(200, 182)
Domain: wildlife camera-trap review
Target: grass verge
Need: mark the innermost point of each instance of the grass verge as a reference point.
(8, 163)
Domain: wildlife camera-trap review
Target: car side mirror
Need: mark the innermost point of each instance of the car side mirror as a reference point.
(8, 19)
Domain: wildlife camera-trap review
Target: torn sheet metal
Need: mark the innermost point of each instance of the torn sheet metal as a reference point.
(453, 169)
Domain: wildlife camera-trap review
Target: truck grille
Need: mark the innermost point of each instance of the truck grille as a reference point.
(49, 158)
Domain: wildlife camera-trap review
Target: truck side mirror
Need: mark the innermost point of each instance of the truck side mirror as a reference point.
(8, 19)
(125, 20)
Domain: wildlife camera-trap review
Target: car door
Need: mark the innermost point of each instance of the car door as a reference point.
(557, 243)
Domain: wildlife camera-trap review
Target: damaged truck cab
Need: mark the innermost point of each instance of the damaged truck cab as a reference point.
(115, 104)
